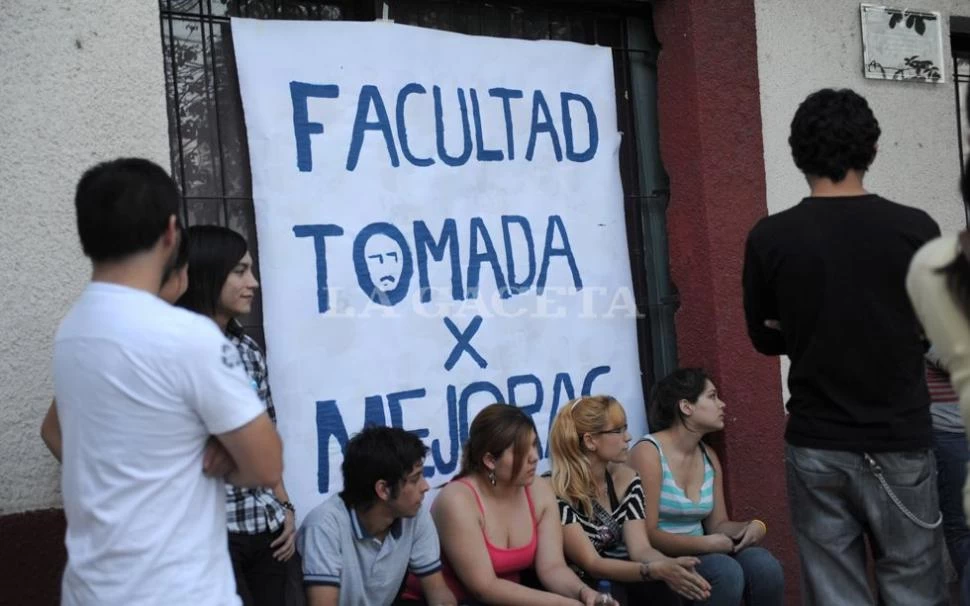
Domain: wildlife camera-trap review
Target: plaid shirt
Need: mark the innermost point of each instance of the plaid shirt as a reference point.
(252, 510)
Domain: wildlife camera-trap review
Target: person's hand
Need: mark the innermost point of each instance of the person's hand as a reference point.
(216, 460)
(679, 575)
(286, 542)
(751, 534)
(773, 324)
(719, 543)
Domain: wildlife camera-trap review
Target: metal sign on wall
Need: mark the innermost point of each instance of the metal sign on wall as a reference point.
(902, 44)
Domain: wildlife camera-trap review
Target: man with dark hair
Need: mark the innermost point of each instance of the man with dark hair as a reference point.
(824, 283)
(172, 288)
(358, 545)
(140, 387)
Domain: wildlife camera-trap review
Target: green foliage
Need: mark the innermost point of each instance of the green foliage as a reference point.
(915, 20)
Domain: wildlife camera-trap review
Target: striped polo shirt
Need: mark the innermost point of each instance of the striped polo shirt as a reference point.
(677, 513)
(945, 409)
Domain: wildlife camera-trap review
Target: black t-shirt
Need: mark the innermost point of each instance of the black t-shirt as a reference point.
(833, 271)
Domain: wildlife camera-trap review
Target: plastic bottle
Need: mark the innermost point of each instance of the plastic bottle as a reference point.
(604, 587)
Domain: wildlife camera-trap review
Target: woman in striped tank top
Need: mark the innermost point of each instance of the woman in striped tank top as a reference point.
(685, 510)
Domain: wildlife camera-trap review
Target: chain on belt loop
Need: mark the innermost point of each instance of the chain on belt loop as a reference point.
(877, 471)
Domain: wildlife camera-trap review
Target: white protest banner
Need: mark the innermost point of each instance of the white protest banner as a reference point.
(440, 223)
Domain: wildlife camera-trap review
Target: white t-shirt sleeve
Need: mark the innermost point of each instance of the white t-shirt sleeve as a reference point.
(216, 384)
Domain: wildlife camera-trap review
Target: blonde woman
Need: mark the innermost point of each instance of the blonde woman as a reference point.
(601, 507)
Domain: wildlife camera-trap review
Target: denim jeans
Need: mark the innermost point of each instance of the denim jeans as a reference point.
(260, 578)
(951, 464)
(837, 501)
(655, 593)
(753, 574)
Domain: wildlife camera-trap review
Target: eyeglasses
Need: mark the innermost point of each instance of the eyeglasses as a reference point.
(616, 432)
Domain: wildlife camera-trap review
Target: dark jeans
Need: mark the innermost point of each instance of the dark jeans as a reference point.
(260, 578)
(753, 574)
(294, 593)
(654, 593)
(952, 457)
(951, 466)
(837, 501)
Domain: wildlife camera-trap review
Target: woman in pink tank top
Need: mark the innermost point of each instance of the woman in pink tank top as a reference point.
(495, 521)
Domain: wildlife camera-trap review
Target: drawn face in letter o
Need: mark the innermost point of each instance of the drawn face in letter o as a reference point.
(384, 262)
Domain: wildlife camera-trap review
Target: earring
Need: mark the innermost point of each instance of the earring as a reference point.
(491, 476)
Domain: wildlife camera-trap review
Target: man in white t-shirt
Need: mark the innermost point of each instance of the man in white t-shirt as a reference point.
(140, 387)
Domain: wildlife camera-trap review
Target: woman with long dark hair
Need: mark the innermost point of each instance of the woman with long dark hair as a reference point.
(685, 509)
(260, 520)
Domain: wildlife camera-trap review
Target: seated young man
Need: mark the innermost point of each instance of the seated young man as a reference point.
(358, 545)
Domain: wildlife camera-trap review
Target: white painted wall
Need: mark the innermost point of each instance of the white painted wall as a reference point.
(804, 46)
(81, 82)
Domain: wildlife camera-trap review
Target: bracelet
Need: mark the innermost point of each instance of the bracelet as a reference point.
(288, 505)
(645, 571)
(764, 528)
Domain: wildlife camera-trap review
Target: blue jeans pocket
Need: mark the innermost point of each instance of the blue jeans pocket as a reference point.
(906, 469)
(810, 468)
(816, 492)
(910, 485)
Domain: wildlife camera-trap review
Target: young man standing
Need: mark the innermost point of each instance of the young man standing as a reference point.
(824, 283)
(173, 286)
(358, 545)
(140, 387)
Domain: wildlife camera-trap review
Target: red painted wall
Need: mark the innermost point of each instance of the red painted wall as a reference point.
(710, 137)
(32, 558)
